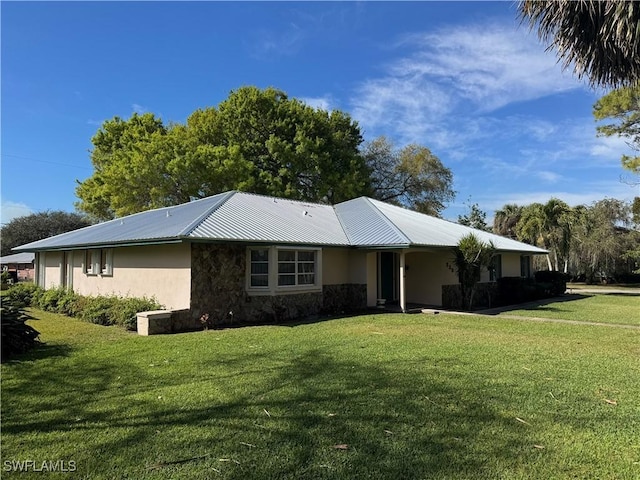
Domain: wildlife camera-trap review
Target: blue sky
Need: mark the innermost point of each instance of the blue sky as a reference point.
(464, 79)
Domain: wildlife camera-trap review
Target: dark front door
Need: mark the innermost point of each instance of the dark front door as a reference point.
(388, 276)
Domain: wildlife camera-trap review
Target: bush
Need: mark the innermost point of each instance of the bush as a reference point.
(125, 311)
(49, 299)
(98, 310)
(558, 281)
(22, 295)
(17, 336)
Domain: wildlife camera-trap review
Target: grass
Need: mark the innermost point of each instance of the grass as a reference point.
(404, 396)
(612, 308)
(609, 286)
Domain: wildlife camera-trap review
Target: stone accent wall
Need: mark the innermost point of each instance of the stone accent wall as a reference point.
(218, 289)
(345, 298)
(485, 296)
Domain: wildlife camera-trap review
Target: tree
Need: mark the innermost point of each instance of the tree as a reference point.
(506, 219)
(412, 176)
(600, 39)
(622, 108)
(255, 140)
(30, 228)
(476, 218)
(471, 257)
(548, 226)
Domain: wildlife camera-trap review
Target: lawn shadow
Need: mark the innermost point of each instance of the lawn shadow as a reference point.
(312, 415)
(535, 305)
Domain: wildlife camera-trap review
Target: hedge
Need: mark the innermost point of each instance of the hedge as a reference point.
(102, 310)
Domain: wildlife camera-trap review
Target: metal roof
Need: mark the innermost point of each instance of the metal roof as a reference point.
(25, 257)
(247, 217)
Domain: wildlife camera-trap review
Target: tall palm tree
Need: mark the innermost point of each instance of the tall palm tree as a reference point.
(601, 39)
(506, 219)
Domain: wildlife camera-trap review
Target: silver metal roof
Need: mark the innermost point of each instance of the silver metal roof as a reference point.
(25, 257)
(246, 217)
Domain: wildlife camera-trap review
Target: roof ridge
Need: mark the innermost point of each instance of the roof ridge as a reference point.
(194, 224)
(387, 220)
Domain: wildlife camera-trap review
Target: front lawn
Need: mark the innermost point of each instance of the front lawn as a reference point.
(603, 308)
(374, 396)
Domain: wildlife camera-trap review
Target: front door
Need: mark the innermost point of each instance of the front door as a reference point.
(388, 276)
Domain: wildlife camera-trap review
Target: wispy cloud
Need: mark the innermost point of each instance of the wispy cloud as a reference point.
(10, 210)
(322, 103)
(462, 71)
(139, 109)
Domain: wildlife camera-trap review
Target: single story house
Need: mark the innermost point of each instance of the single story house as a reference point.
(250, 257)
(19, 265)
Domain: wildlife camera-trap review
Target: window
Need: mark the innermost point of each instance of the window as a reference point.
(296, 267)
(525, 266)
(495, 270)
(283, 270)
(98, 261)
(259, 275)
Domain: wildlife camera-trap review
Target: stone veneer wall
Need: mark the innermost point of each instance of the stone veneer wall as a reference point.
(218, 289)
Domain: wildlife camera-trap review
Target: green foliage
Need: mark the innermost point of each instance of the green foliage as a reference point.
(102, 310)
(255, 140)
(411, 176)
(471, 257)
(17, 336)
(22, 294)
(30, 228)
(556, 280)
(476, 218)
(622, 109)
(506, 219)
(598, 40)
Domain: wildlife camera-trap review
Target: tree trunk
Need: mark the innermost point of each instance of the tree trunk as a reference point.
(549, 262)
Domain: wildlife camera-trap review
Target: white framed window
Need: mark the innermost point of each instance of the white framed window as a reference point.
(98, 261)
(277, 270)
(259, 268)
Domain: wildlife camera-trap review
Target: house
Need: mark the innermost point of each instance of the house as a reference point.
(242, 256)
(20, 266)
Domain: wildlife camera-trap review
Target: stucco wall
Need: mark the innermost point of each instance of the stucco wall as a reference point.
(510, 264)
(426, 274)
(372, 278)
(341, 266)
(161, 271)
(52, 269)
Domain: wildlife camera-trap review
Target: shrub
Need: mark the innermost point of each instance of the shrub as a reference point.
(125, 309)
(557, 280)
(17, 336)
(98, 310)
(49, 299)
(21, 295)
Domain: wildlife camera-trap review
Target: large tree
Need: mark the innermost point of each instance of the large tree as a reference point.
(621, 108)
(255, 140)
(506, 219)
(600, 40)
(411, 176)
(474, 218)
(30, 228)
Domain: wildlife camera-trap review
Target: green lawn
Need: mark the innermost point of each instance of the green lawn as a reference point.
(609, 308)
(404, 396)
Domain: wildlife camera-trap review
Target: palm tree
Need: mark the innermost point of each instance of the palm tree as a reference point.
(471, 257)
(506, 219)
(601, 39)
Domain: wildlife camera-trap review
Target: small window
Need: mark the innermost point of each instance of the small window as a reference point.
(98, 261)
(259, 268)
(495, 270)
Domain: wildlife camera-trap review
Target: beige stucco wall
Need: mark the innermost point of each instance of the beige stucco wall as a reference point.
(52, 261)
(342, 265)
(161, 271)
(426, 274)
(510, 264)
(372, 279)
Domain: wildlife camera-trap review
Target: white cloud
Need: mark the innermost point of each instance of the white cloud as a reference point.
(322, 103)
(547, 176)
(139, 109)
(451, 74)
(10, 210)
